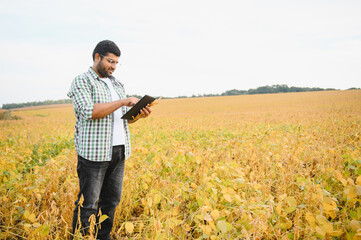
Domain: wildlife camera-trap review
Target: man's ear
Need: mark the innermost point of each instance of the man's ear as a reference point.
(97, 57)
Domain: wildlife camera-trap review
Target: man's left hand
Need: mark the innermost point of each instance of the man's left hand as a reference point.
(145, 112)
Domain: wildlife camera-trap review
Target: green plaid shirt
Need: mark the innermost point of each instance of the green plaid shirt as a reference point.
(93, 137)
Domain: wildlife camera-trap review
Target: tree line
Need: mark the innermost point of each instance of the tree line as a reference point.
(283, 88)
(36, 103)
(267, 89)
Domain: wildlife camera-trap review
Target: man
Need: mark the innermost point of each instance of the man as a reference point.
(102, 138)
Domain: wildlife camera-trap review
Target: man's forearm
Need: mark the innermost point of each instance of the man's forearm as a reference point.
(101, 110)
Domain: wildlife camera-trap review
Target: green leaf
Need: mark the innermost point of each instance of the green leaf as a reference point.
(290, 209)
(45, 230)
(229, 226)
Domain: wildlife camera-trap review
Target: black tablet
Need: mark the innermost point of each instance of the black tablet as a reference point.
(135, 110)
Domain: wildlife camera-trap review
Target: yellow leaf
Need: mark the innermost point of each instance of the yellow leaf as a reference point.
(358, 180)
(103, 218)
(36, 225)
(355, 225)
(187, 227)
(321, 220)
(157, 198)
(337, 233)
(149, 201)
(320, 231)
(318, 195)
(279, 208)
(145, 186)
(45, 230)
(290, 209)
(327, 227)
(174, 222)
(214, 190)
(26, 214)
(288, 224)
(229, 226)
(350, 181)
(310, 219)
(357, 190)
(357, 236)
(32, 217)
(129, 227)
(208, 218)
(228, 197)
(158, 226)
(338, 175)
(206, 229)
(211, 224)
(240, 181)
(283, 196)
(328, 206)
(222, 225)
(331, 214)
(228, 190)
(194, 186)
(291, 201)
(350, 192)
(176, 211)
(215, 215)
(27, 227)
(160, 236)
(344, 182)
(238, 198)
(257, 186)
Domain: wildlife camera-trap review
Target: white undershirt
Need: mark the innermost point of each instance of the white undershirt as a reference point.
(118, 127)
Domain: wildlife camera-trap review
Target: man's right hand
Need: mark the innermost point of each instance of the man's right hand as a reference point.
(130, 102)
(101, 110)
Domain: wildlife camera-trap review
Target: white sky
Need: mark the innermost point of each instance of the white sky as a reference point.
(185, 47)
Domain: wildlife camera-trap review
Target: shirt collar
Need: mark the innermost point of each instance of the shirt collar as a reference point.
(95, 75)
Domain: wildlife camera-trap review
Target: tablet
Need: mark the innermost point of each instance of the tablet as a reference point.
(135, 110)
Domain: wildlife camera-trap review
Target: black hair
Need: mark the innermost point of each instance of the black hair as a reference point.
(106, 46)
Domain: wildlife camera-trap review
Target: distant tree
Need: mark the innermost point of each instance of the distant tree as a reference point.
(234, 92)
(135, 95)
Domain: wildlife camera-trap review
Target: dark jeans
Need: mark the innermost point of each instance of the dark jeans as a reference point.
(101, 186)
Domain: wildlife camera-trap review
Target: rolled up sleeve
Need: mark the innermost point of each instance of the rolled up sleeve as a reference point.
(80, 93)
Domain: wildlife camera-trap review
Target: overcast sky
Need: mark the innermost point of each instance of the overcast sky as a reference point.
(185, 47)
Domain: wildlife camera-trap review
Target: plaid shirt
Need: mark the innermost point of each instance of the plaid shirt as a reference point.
(93, 137)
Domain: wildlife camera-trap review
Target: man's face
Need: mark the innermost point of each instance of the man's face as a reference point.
(106, 64)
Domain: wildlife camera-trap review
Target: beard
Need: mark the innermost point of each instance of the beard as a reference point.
(103, 71)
